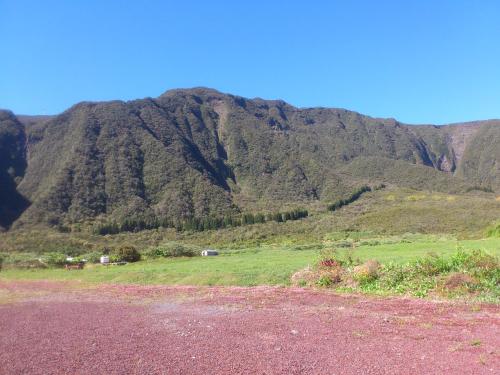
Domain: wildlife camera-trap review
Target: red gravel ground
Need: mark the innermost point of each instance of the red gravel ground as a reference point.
(60, 328)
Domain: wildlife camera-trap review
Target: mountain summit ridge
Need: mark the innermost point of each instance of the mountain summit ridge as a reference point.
(199, 152)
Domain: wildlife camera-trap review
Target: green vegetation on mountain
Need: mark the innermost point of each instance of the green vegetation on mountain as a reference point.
(197, 224)
(12, 168)
(190, 155)
(494, 231)
(381, 213)
(481, 162)
(352, 198)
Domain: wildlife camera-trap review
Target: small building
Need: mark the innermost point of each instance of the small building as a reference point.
(209, 252)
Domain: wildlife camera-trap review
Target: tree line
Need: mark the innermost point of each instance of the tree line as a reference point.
(353, 197)
(197, 223)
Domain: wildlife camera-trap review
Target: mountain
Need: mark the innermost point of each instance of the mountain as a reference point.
(12, 168)
(198, 152)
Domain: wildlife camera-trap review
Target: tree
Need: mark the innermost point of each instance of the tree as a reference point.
(127, 253)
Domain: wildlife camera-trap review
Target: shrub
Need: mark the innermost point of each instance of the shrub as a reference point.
(114, 258)
(485, 189)
(127, 253)
(369, 243)
(493, 231)
(431, 265)
(455, 275)
(324, 281)
(172, 249)
(394, 275)
(330, 276)
(344, 244)
(93, 257)
(55, 259)
(329, 256)
(459, 280)
(22, 260)
(366, 272)
(329, 263)
(29, 264)
(278, 217)
(304, 277)
(63, 228)
(480, 262)
(106, 228)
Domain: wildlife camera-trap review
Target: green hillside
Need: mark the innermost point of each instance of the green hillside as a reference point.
(12, 168)
(200, 153)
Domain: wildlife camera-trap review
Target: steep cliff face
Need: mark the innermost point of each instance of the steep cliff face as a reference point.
(12, 168)
(480, 159)
(199, 152)
(469, 150)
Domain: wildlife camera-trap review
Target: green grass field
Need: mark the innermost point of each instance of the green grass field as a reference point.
(387, 212)
(268, 264)
(394, 226)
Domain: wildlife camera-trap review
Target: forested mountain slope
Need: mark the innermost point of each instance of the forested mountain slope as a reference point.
(198, 152)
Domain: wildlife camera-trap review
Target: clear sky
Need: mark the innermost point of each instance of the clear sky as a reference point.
(420, 61)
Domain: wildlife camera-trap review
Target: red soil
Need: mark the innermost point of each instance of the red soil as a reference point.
(55, 328)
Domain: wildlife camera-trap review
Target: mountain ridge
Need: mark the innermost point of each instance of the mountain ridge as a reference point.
(203, 89)
(198, 152)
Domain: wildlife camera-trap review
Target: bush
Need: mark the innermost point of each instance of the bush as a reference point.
(22, 260)
(455, 275)
(431, 265)
(344, 244)
(329, 254)
(29, 264)
(330, 276)
(55, 259)
(366, 272)
(394, 275)
(304, 277)
(481, 262)
(459, 280)
(324, 281)
(93, 257)
(493, 231)
(485, 189)
(172, 249)
(327, 271)
(127, 253)
(329, 263)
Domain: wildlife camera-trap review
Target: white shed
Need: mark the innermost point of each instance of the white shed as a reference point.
(209, 252)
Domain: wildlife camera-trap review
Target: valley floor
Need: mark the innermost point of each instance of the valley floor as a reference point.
(51, 327)
(267, 264)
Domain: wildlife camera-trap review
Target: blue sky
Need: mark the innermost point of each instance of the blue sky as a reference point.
(418, 61)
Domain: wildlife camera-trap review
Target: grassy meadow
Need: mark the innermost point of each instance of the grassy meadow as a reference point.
(268, 264)
(394, 227)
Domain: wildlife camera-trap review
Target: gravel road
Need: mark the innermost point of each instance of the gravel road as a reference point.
(68, 328)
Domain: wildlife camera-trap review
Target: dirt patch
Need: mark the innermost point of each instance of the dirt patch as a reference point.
(117, 329)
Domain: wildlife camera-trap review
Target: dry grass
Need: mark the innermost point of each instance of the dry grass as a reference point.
(368, 270)
(303, 277)
(459, 280)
